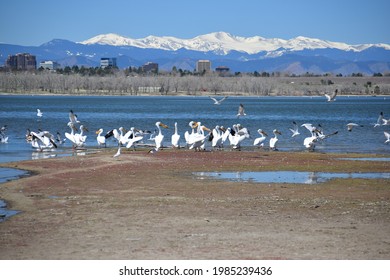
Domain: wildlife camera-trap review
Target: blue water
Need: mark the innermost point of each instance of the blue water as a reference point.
(290, 177)
(268, 113)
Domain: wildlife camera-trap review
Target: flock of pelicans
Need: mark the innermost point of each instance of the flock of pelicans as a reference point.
(196, 137)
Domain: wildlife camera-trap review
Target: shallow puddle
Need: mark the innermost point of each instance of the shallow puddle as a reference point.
(290, 177)
(8, 174)
(367, 159)
(6, 213)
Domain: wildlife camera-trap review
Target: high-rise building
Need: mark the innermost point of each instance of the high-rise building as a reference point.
(203, 66)
(21, 61)
(150, 67)
(107, 62)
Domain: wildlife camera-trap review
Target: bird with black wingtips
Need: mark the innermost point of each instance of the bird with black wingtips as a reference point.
(331, 97)
(387, 136)
(294, 130)
(241, 111)
(218, 102)
(350, 126)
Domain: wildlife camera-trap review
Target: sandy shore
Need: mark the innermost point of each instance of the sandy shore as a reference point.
(150, 206)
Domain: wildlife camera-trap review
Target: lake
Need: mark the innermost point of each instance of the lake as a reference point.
(19, 112)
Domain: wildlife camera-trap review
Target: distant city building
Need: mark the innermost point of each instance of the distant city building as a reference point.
(108, 62)
(48, 64)
(150, 67)
(21, 61)
(203, 66)
(222, 69)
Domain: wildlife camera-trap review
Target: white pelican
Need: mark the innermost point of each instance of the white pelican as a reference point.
(71, 136)
(387, 135)
(332, 97)
(41, 140)
(273, 140)
(188, 136)
(218, 102)
(241, 111)
(216, 141)
(198, 140)
(158, 139)
(175, 138)
(133, 138)
(352, 125)
(294, 130)
(80, 137)
(240, 134)
(101, 140)
(309, 142)
(259, 141)
(39, 113)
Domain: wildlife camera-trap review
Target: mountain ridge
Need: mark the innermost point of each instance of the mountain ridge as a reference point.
(295, 56)
(223, 42)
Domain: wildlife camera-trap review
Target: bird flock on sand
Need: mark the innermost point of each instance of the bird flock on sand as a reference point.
(196, 137)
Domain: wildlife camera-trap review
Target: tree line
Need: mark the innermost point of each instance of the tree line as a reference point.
(74, 80)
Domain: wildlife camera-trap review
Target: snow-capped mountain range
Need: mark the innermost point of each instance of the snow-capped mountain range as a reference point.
(294, 56)
(223, 43)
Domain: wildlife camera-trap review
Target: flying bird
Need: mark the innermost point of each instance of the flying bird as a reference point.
(39, 113)
(387, 135)
(218, 102)
(241, 111)
(350, 126)
(331, 97)
(294, 130)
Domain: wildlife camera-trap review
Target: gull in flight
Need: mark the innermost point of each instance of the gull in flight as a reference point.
(241, 111)
(39, 113)
(72, 118)
(218, 102)
(387, 135)
(294, 130)
(331, 97)
(352, 125)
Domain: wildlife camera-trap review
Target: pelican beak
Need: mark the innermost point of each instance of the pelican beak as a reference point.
(205, 128)
(278, 132)
(163, 125)
(97, 131)
(265, 133)
(195, 125)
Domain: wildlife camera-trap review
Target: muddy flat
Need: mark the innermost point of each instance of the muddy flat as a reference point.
(152, 206)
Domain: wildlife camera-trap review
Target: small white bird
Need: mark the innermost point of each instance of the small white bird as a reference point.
(241, 111)
(218, 102)
(294, 130)
(332, 97)
(387, 135)
(39, 113)
(352, 125)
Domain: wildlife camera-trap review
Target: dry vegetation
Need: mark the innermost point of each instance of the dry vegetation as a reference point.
(120, 84)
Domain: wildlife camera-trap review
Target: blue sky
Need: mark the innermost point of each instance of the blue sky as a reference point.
(32, 23)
